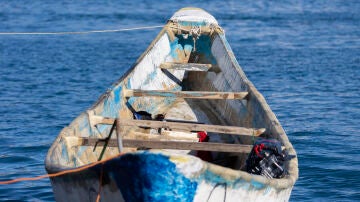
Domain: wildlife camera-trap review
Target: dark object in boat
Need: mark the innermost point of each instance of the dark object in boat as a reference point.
(159, 117)
(142, 115)
(267, 159)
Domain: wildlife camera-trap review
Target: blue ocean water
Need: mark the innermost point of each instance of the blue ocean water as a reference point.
(304, 56)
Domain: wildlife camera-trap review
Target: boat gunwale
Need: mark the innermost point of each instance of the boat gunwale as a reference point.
(290, 179)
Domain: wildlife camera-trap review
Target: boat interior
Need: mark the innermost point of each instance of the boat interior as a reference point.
(185, 94)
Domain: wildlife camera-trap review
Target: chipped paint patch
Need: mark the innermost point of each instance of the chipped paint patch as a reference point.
(241, 183)
(213, 178)
(64, 152)
(175, 47)
(117, 94)
(257, 184)
(193, 24)
(150, 177)
(188, 48)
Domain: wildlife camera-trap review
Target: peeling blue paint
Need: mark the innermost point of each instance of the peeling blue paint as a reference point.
(128, 84)
(141, 106)
(150, 177)
(241, 183)
(188, 48)
(105, 106)
(169, 101)
(192, 24)
(267, 190)
(117, 94)
(150, 77)
(83, 124)
(202, 46)
(168, 94)
(81, 150)
(174, 46)
(101, 128)
(257, 184)
(213, 178)
(131, 100)
(111, 104)
(64, 153)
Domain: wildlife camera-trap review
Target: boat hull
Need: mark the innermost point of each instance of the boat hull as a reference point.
(157, 176)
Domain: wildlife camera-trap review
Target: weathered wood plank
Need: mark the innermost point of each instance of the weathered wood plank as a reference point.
(94, 120)
(119, 132)
(203, 146)
(165, 136)
(192, 127)
(186, 66)
(184, 126)
(185, 94)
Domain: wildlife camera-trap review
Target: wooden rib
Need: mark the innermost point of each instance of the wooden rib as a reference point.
(185, 94)
(193, 127)
(94, 119)
(186, 66)
(119, 132)
(203, 146)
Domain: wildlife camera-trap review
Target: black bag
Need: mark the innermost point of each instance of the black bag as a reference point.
(267, 159)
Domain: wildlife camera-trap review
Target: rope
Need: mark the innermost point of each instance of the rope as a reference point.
(75, 170)
(81, 32)
(100, 183)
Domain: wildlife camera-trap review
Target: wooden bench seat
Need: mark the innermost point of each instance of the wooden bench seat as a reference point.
(190, 67)
(184, 94)
(234, 130)
(178, 145)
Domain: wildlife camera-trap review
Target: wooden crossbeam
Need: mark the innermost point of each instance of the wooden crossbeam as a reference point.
(185, 94)
(188, 66)
(203, 146)
(192, 127)
(182, 126)
(94, 120)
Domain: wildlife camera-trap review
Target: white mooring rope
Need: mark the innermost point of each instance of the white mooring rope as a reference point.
(80, 32)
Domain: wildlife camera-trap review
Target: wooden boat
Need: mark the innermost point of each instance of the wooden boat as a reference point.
(140, 141)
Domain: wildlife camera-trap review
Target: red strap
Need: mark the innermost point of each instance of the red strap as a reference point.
(203, 137)
(258, 148)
